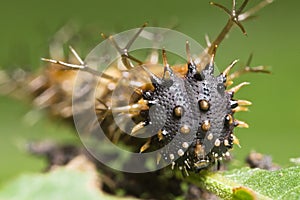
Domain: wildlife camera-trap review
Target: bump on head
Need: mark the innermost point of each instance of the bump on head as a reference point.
(205, 125)
(178, 111)
(228, 119)
(185, 129)
(204, 105)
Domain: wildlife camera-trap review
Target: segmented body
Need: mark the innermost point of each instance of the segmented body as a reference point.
(198, 117)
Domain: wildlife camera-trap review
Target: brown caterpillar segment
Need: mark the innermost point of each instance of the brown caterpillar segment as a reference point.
(184, 110)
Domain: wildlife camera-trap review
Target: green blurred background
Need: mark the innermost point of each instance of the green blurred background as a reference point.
(28, 26)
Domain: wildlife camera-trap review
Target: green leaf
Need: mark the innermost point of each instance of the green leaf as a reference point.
(81, 182)
(60, 184)
(249, 183)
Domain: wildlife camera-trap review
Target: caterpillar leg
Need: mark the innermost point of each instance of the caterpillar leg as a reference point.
(133, 108)
(145, 146)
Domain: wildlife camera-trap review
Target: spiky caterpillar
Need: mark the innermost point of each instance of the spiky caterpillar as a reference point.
(187, 105)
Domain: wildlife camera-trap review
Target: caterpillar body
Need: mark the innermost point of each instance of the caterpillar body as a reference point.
(184, 112)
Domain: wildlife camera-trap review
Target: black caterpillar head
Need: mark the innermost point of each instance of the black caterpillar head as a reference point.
(192, 116)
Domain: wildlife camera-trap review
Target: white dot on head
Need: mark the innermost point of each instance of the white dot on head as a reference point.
(67, 85)
(226, 143)
(217, 142)
(216, 155)
(111, 86)
(185, 145)
(227, 154)
(164, 132)
(187, 164)
(172, 156)
(173, 164)
(180, 152)
(185, 129)
(125, 74)
(210, 136)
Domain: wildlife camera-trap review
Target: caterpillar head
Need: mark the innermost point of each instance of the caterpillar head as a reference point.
(192, 115)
